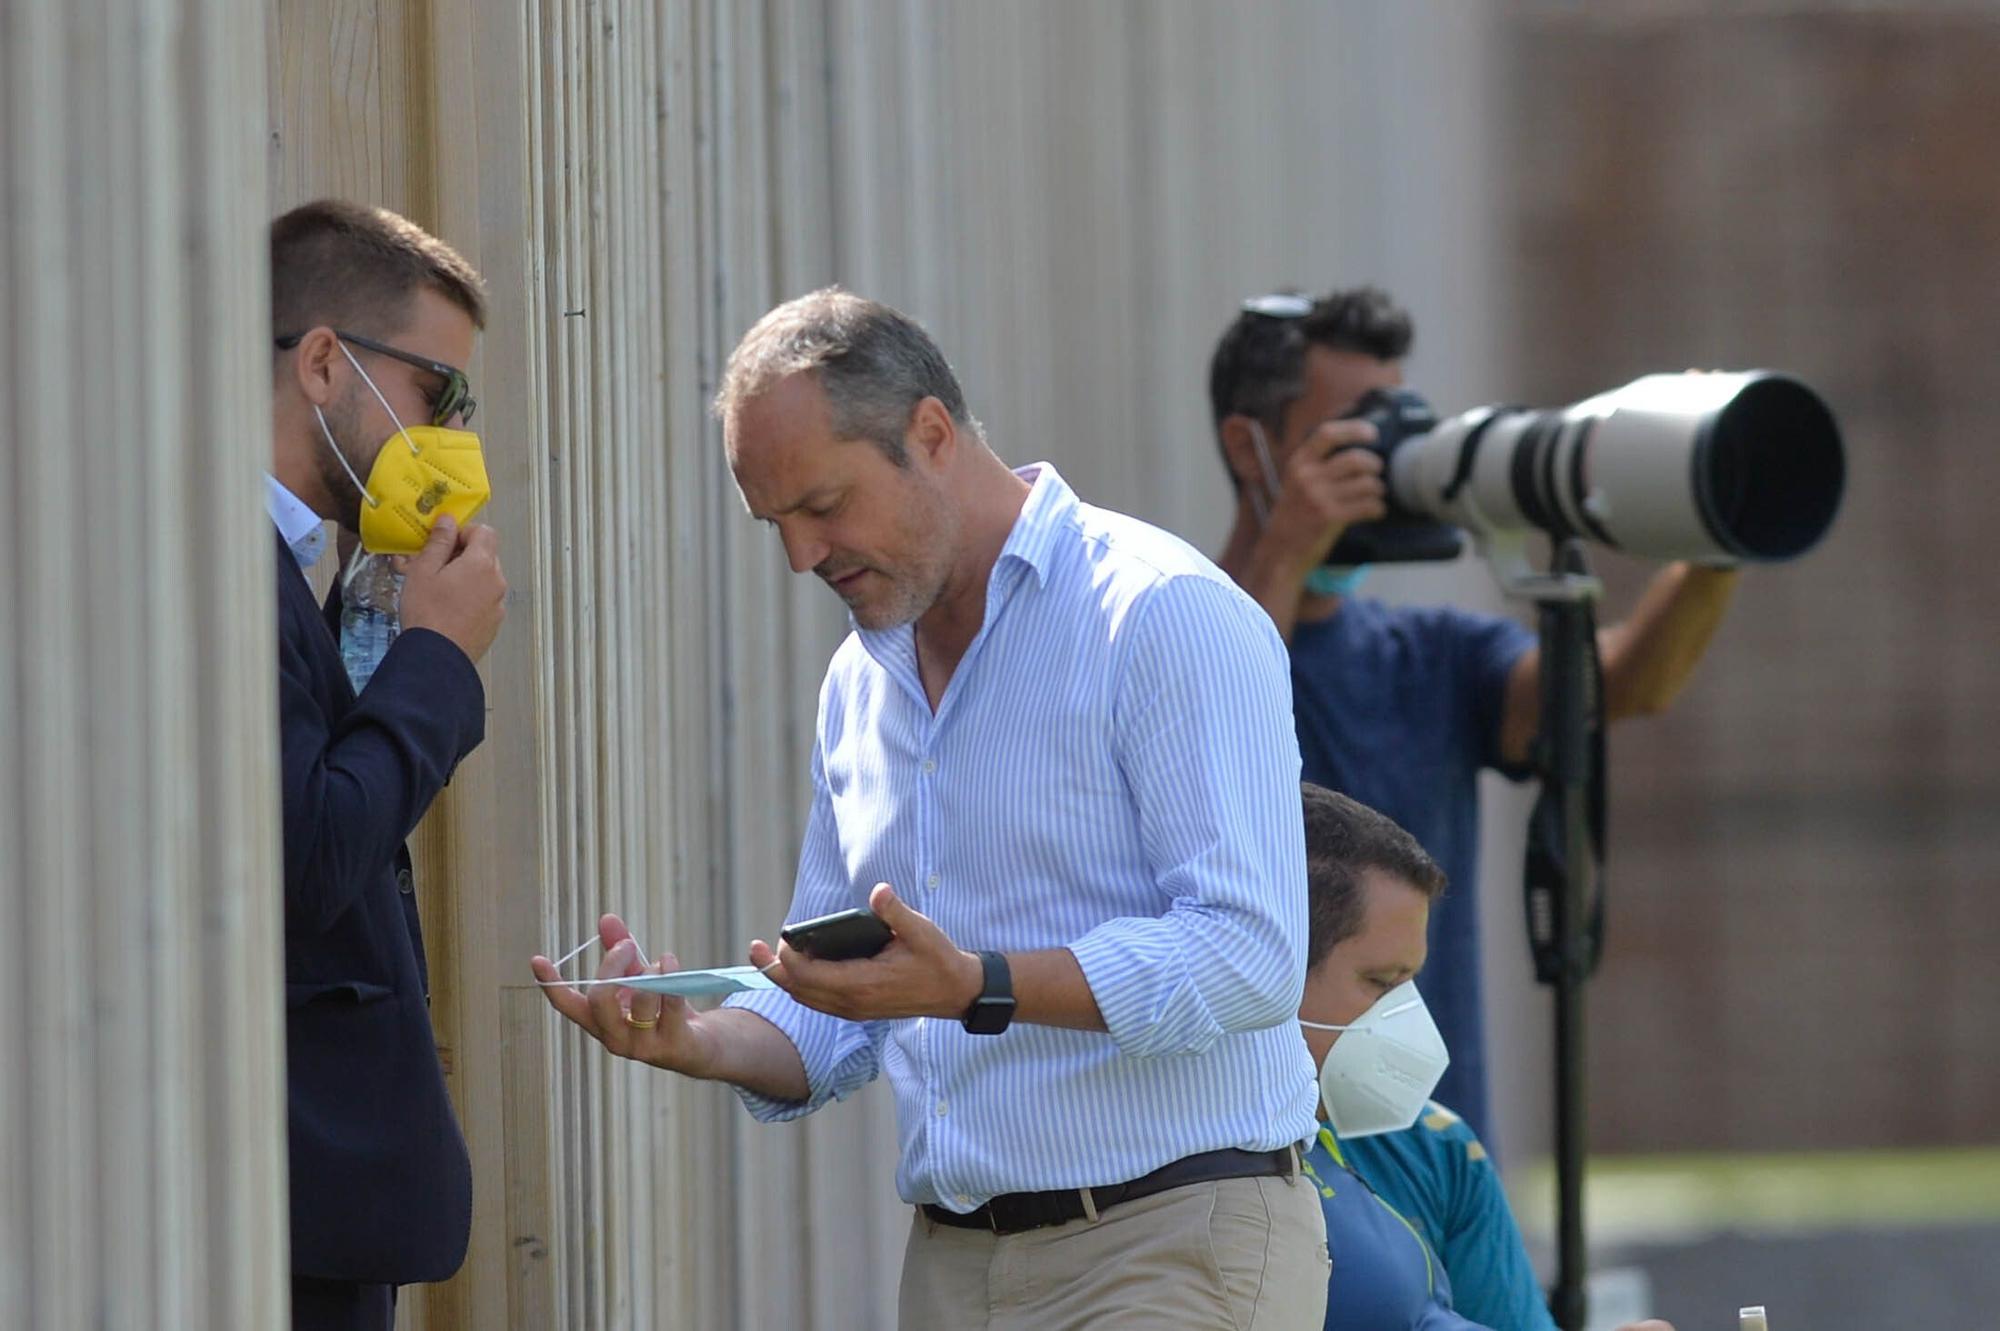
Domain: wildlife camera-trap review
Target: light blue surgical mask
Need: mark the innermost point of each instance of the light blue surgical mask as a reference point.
(1336, 579)
(708, 983)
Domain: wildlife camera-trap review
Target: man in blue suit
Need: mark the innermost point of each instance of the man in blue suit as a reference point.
(371, 318)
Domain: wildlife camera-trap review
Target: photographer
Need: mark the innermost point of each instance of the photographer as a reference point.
(1399, 707)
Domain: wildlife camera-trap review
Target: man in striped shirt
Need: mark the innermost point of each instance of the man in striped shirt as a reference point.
(1056, 756)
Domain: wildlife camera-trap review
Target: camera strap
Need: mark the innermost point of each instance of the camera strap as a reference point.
(1547, 868)
(1468, 451)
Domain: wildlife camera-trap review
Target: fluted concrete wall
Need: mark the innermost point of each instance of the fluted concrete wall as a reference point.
(141, 1092)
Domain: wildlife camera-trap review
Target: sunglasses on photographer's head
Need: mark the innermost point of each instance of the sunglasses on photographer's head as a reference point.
(1256, 347)
(454, 399)
(1279, 305)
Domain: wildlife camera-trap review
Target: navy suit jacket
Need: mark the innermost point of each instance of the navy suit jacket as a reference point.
(381, 1186)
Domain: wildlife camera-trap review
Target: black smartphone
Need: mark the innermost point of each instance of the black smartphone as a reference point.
(842, 936)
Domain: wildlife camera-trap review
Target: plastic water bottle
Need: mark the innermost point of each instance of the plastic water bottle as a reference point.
(371, 599)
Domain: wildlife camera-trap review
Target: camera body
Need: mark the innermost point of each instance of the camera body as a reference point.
(1717, 467)
(1404, 535)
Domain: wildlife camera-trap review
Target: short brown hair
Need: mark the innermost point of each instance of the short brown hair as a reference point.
(1343, 839)
(357, 268)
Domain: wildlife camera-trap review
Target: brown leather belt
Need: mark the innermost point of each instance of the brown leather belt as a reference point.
(1015, 1212)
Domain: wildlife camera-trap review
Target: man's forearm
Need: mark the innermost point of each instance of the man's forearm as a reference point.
(744, 1049)
(1050, 990)
(1649, 657)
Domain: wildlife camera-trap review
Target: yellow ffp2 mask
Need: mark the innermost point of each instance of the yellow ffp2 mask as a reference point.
(420, 473)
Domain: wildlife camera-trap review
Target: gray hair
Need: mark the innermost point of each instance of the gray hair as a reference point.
(874, 364)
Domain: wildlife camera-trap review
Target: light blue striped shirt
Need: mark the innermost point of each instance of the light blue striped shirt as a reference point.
(1112, 769)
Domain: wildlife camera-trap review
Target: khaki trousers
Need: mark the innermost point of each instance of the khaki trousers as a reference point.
(1243, 1254)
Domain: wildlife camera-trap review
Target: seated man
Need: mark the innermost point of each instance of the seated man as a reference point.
(1416, 1222)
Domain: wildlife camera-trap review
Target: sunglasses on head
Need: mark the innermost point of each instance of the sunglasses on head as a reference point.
(1279, 305)
(454, 399)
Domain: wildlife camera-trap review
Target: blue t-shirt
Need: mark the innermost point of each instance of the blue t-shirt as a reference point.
(1385, 1276)
(1437, 1176)
(1399, 707)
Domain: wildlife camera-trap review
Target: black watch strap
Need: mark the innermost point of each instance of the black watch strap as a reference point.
(991, 1012)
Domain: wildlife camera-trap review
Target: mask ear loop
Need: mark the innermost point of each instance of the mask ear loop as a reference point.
(573, 953)
(1395, 1011)
(1259, 504)
(341, 457)
(577, 951)
(414, 450)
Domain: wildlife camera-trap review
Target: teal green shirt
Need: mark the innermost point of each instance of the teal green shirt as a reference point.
(1437, 1175)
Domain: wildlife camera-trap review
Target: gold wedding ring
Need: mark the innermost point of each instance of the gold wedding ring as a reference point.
(638, 1025)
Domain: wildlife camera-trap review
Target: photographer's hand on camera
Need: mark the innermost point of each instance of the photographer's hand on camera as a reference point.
(1327, 484)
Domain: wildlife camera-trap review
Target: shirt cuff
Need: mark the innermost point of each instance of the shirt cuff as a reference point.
(840, 1057)
(1149, 1004)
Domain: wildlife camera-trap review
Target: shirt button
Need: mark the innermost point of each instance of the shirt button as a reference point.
(932, 881)
(964, 1200)
(942, 1108)
(404, 883)
(930, 766)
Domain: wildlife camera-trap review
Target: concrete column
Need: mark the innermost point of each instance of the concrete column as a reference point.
(141, 1084)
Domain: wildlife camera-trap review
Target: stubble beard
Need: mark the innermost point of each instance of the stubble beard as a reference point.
(342, 422)
(912, 594)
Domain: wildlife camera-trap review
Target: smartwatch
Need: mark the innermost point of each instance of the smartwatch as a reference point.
(991, 1012)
